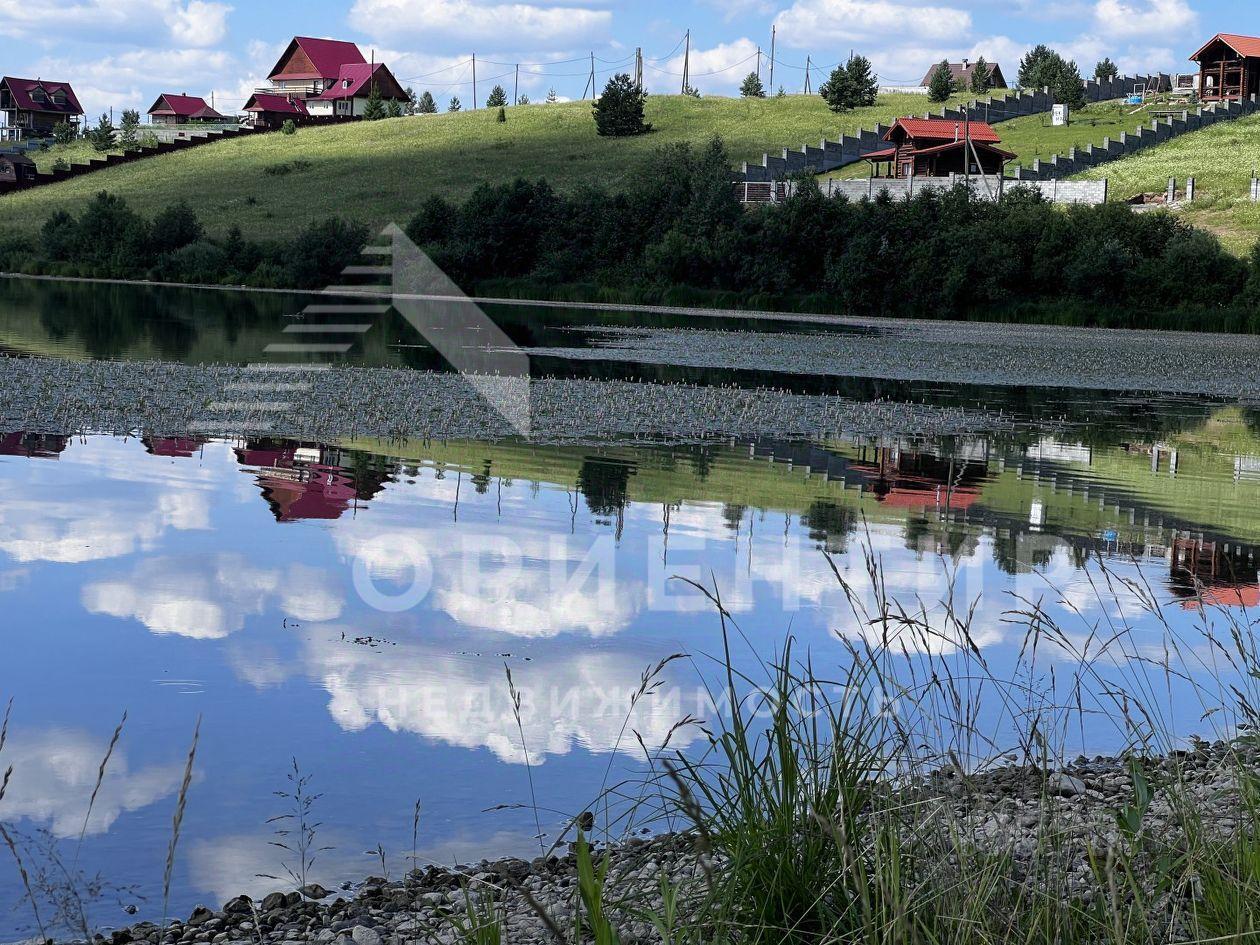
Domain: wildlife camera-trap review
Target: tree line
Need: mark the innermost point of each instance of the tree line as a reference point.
(677, 232)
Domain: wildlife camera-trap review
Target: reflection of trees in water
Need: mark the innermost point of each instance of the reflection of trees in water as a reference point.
(701, 461)
(481, 480)
(830, 525)
(733, 515)
(605, 484)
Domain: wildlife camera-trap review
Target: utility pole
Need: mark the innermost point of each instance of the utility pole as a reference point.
(592, 74)
(758, 62)
(638, 68)
(516, 89)
(474, 81)
(687, 65)
(774, 34)
(808, 62)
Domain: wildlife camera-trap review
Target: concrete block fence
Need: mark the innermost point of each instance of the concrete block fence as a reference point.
(831, 155)
(1056, 191)
(111, 160)
(1113, 149)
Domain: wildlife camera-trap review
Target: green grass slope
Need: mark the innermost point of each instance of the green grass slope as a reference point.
(380, 172)
(1221, 159)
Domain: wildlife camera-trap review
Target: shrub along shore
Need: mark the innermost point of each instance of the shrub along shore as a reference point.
(678, 235)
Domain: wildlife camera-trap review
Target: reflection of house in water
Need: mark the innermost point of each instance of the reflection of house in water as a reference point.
(920, 481)
(181, 447)
(33, 445)
(310, 482)
(1218, 573)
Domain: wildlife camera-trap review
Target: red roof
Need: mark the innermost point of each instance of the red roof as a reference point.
(183, 106)
(326, 55)
(265, 102)
(351, 79)
(944, 129)
(1246, 46)
(23, 91)
(1244, 595)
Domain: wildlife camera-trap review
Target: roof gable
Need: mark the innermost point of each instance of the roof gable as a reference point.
(36, 95)
(963, 71)
(325, 58)
(353, 81)
(183, 106)
(1246, 46)
(264, 102)
(936, 130)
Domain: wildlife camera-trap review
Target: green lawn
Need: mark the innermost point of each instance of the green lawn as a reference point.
(1221, 159)
(1034, 137)
(380, 172)
(77, 152)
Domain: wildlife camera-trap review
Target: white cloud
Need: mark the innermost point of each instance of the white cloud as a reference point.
(138, 22)
(1142, 19)
(719, 69)
(525, 24)
(134, 78)
(210, 597)
(55, 771)
(809, 23)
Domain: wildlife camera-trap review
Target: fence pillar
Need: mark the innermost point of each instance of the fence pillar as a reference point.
(1189, 190)
(1172, 190)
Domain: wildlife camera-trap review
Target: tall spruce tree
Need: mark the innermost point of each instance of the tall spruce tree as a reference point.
(619, 110)
(129, 130)
(425, 104)
(941, 85)
(1106, 69)
(498, 97)
(863, 85)
(455, 104)
(374, 110)
(103, 137)
(981, 77)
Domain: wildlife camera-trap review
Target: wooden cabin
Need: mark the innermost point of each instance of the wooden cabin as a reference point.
(272, 111)
(939, 147)
(32, 108)
(170, 109)
(1229, 68)
(16, 169)
(963, 71)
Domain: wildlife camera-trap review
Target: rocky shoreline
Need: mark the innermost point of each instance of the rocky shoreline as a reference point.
(1012, 809)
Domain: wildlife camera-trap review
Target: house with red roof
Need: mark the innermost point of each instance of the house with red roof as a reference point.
(270, 110)
(32, 108)
(1229, 68)
(939, 147)
(330, 78)
(171, 109)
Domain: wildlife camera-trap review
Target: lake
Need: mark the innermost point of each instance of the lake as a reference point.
(309, 588)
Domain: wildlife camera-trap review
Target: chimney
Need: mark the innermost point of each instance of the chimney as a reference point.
(965, 63)
(955, 131)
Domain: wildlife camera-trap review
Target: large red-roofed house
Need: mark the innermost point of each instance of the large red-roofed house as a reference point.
(323, 78)
(171, 109)
(1229, 67)
(938, 147)
(34, 107)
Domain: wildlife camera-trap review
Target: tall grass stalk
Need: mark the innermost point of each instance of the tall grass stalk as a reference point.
(177, 821)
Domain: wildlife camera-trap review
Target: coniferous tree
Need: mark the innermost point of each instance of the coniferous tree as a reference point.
(1105, 70)
(941, 85)
(862, 82)
(394, 109)
(501, 118)
(103, 137)
(1035, 67)
(838, 90)
(691, 91)
(619, 110)
(374, 110)
(410, 108)
(425, 104)
(129, 130)
(455, 105)
(552, 98)
(752, 87)
(523, 100)
(498, 97)
(981, 77)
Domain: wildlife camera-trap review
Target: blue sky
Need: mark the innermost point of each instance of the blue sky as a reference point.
(122, 53)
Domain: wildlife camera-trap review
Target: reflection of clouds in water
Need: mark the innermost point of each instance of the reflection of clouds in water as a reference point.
(208, 597)
(12, 579)
(228, 866)
(569, 697)
(39, 521)
(39, 525)
(512, 580)
(54, 774)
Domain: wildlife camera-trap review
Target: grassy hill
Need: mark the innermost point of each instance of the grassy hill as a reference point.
(380, 172)
(1221, 158)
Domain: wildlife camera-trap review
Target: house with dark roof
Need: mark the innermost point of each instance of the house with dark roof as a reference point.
(16, 169)
(270, 110)
(32, 108)
(171, 109)
(939, 147)
(1229, 67)
(963, 72)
